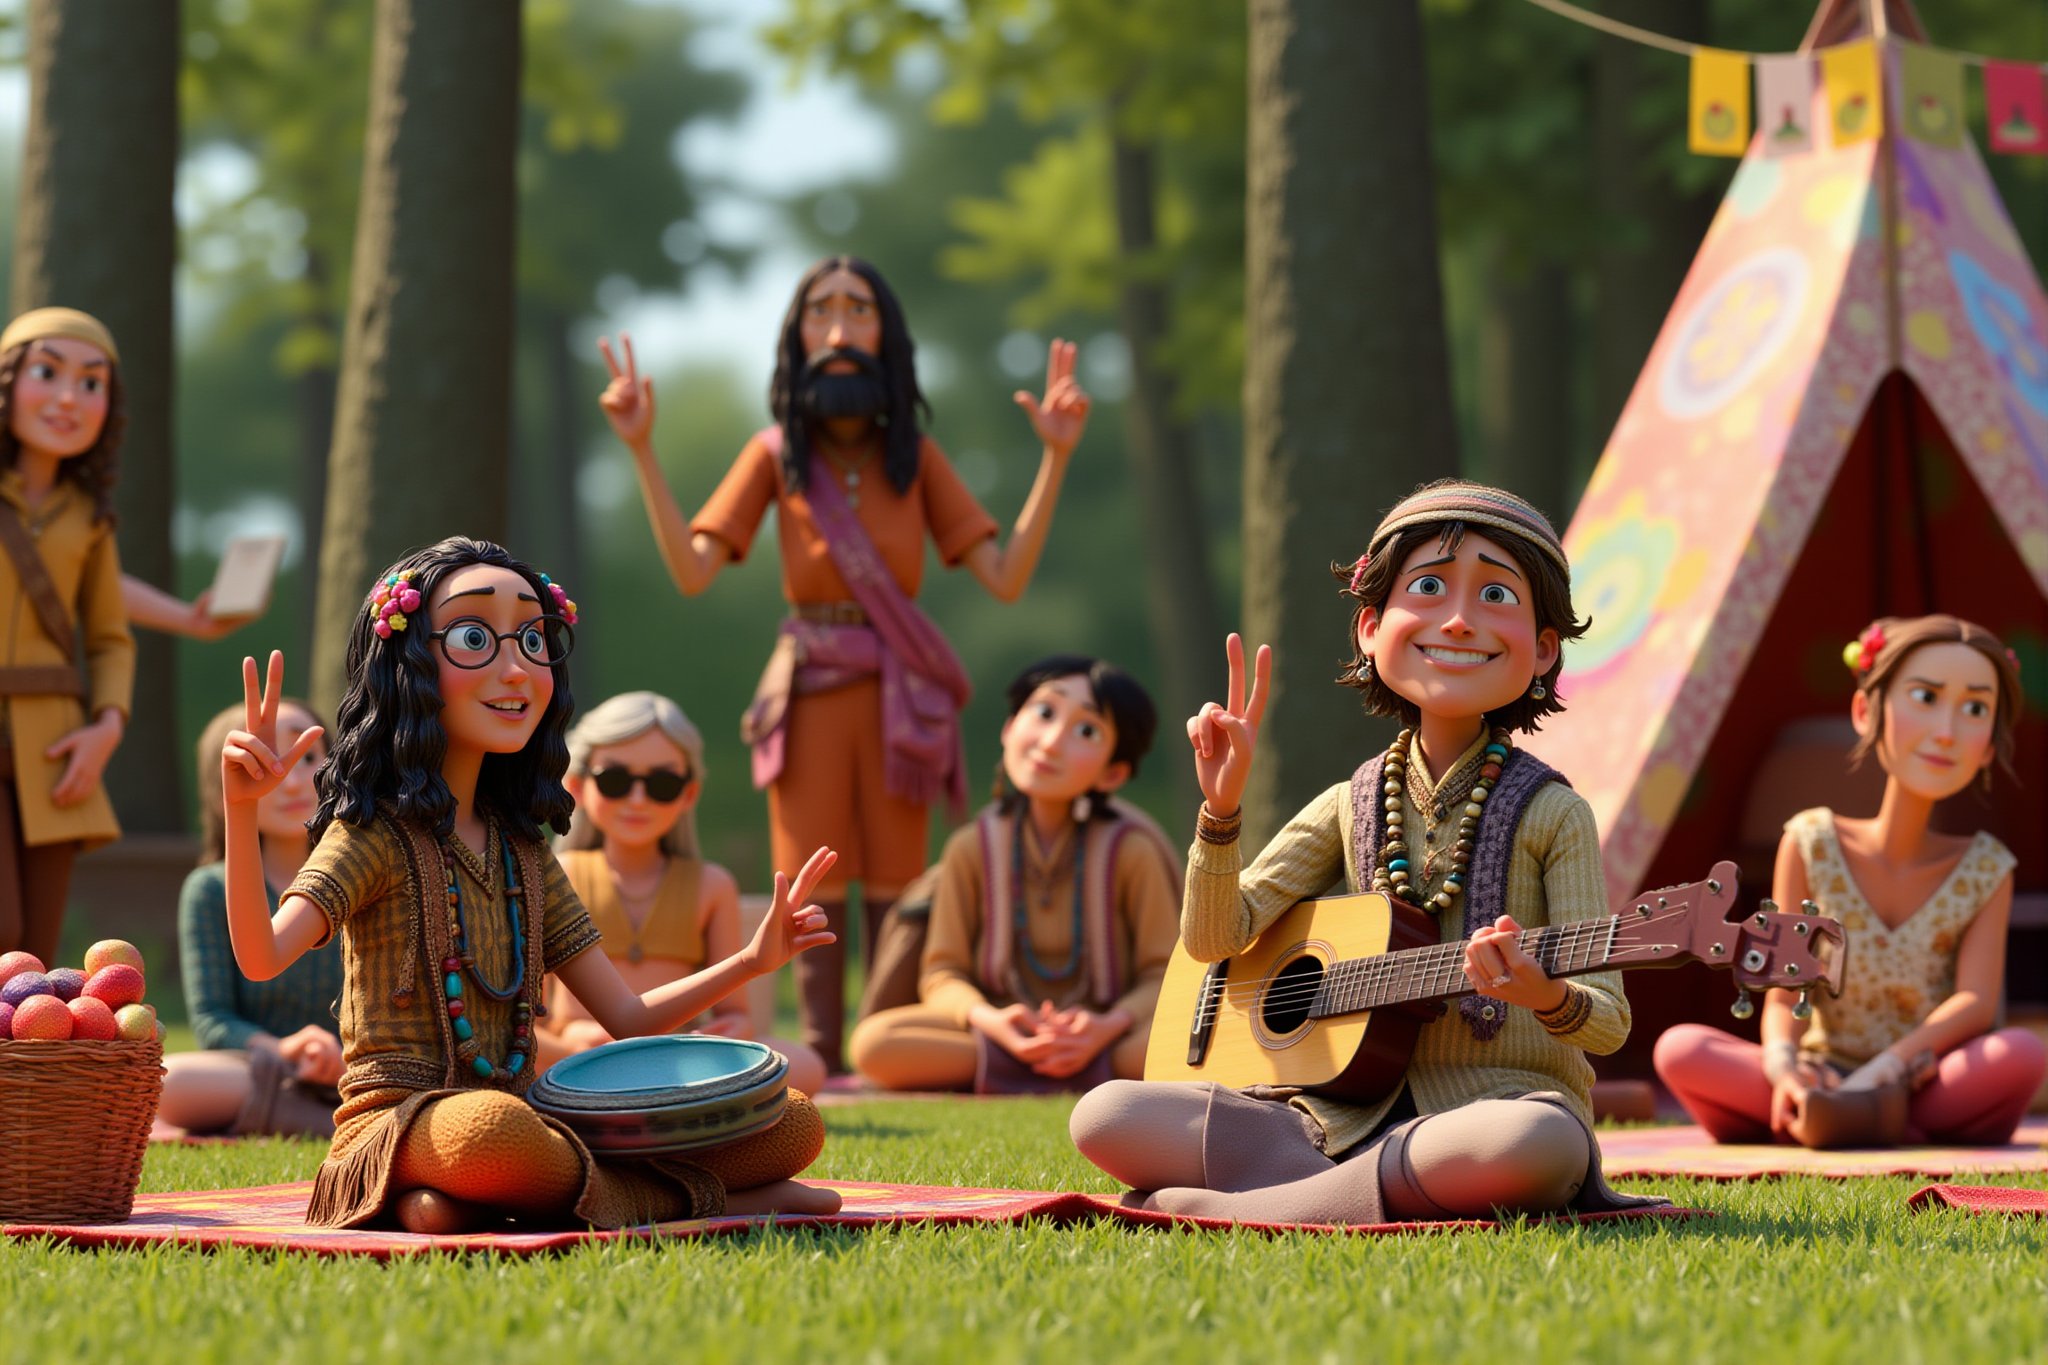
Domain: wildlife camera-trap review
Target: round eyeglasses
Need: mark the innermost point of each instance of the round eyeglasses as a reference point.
(471, 643)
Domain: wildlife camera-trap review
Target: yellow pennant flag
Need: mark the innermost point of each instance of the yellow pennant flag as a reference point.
(1719, 124)
(1855, 96)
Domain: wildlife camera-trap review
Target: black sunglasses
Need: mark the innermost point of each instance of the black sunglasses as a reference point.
(662, 785)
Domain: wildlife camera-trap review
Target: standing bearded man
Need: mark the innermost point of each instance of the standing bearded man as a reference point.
(855, 726)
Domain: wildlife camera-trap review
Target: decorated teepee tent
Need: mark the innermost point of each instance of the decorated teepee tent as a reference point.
(1845, 415)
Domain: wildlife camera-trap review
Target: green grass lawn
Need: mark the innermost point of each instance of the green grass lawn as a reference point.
(1794, 1271)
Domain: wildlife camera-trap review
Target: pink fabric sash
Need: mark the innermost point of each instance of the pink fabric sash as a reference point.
(924, 685)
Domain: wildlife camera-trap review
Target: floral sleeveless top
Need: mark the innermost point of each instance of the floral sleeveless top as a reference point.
(1896, 976)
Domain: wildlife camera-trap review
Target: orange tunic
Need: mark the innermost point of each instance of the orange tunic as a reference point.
(831, 789)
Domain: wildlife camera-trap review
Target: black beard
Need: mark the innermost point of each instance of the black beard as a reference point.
(824, 397)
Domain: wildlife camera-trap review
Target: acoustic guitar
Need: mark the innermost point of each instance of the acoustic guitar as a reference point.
(1330, 997)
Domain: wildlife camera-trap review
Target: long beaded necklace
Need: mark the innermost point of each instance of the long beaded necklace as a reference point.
(849, 470)
(1020, 916)
(1392, 877)
(462, 959)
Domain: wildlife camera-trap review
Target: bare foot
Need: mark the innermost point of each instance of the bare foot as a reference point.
(782, 1196)
(434, 1213)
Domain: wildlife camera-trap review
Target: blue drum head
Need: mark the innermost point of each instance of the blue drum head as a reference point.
(664, 1063)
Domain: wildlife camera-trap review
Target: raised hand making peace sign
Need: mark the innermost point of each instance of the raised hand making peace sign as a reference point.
(250, 766)
(1224, 737)
(628, 401)
(1062, 415)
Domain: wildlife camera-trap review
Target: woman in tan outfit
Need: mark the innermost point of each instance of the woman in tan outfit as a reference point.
(60, 577)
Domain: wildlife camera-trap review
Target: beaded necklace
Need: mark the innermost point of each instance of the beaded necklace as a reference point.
(462, 959)
(1392, 877)
(1020, 915)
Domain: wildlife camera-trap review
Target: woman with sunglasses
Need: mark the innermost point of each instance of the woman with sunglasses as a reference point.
(636, 770)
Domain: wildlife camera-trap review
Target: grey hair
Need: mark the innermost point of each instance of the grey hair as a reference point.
(620, 720)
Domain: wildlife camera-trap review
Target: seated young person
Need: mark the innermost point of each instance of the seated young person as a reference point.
(636, 769)
(272, 1057)
(1056, 907)
(1908, 1051)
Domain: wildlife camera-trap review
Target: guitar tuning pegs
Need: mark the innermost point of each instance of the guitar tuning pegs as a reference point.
(1808, 908)
(1743, 1007)
(1804, 1007)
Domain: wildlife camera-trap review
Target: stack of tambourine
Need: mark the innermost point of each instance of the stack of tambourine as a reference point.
(675, 1093)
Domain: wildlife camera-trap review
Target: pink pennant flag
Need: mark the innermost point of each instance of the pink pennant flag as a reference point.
(2016, 108)
(1784, 103)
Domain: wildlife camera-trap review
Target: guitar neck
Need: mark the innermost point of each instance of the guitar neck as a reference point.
(1437, 972)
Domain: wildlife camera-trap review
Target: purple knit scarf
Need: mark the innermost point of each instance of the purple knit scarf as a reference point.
(1486, 886)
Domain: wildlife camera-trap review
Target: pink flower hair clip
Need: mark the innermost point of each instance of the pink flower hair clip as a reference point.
(563, 603)
(1861, 652)
(1358, 571)
(394, 598)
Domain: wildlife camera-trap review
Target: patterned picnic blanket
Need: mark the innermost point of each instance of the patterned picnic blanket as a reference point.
(274, 1216)
(1687, 1150)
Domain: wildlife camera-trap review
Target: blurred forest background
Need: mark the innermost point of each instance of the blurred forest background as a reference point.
(1025, 168)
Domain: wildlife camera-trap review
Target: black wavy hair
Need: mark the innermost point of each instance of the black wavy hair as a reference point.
(1117, 695)
(902, 432)
(388, 742)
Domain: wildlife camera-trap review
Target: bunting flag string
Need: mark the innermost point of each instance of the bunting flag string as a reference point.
(1931, 108)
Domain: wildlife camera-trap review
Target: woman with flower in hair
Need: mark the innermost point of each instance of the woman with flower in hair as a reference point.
(636, 770)
(1907, 1052)
(1462, 604)
(431, 869)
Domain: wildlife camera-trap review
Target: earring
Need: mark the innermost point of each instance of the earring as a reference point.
(1365, 670)
(1537, 692)
(1082, 805)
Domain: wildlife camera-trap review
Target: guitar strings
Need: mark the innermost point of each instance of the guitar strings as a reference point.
(1434, 963)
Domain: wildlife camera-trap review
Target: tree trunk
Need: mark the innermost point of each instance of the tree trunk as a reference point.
(1526, 385)
(315, 390)
(561, 449)
(1649, 231)
(1180, 583)
(422, 426)
(94, 230)
(1347, 380)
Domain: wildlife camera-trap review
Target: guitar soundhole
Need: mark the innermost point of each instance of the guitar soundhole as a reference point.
(1286, 1004)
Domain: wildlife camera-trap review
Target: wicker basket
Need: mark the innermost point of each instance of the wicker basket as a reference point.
(74, 1121)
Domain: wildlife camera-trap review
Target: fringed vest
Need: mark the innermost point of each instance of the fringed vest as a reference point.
(1486, 889)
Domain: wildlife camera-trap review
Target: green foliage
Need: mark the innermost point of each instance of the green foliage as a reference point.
(1821, 1272)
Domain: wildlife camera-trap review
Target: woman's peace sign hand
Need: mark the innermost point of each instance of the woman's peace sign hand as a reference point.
(250, 766)
(1223, 737)
(628, 401)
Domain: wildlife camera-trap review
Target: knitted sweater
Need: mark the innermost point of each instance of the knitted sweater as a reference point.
(1554, 878)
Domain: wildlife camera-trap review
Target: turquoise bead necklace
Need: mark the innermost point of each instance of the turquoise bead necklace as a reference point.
(461, 959)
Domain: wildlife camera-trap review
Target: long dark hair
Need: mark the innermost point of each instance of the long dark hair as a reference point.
(902, 431)
(388, 742)
(94, 471)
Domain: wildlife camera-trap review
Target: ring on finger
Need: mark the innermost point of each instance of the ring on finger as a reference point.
(1503, 978)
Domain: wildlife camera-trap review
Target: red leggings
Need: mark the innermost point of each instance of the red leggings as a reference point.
(1977, 1097)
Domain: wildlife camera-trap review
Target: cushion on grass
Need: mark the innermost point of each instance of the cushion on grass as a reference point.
(1979, 1199)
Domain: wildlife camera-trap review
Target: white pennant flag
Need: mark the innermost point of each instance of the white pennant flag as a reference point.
(1784, 103)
